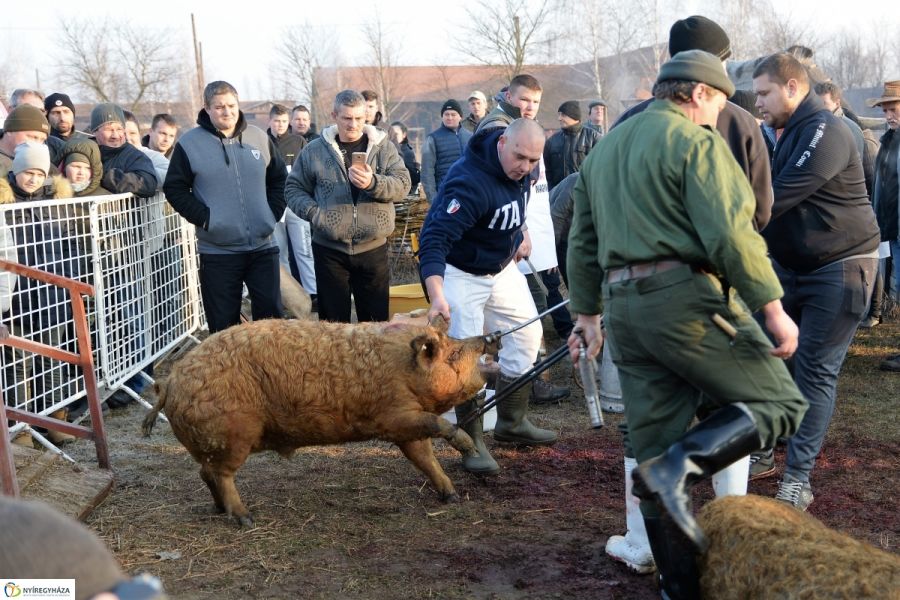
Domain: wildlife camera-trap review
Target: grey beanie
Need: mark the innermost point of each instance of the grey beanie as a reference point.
(31, 155)
(106, 112)
(697, 65)
(36, 542)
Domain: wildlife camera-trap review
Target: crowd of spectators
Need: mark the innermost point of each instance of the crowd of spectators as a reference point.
(320, 204)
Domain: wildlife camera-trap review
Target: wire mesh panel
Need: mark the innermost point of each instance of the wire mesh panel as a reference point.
(53, 236)
(145, 273)
(141, 259)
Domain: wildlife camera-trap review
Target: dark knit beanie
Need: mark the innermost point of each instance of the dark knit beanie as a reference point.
(76, 157)
(571, 109)
(57, 99)
(36, 542)
(451, 105)
(699, 33)
(697, 65)
(26, 118)
(106, 112)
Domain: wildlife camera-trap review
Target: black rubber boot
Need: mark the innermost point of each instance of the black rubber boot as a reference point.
(675, 557)
(513, 426)
(726, 435)
(481, 463)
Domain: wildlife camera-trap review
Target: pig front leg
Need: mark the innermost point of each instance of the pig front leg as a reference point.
(421, 454)
(418, 424)
(412, 432)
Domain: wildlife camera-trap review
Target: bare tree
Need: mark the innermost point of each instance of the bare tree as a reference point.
(879, 58)
(445, 73)
(112, 61)
(606, 34)
(149, 70)
(381, 74)
(849, 65)
(88, 61)
(302, 50)
(506, 33)
(776, 32)
(9, 65)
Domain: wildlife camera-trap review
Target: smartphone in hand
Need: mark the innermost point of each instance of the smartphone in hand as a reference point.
(358, 159)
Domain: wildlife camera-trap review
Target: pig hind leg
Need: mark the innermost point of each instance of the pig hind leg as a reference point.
(421, 454)
(232, 500)
(209, 478)
(218, 474)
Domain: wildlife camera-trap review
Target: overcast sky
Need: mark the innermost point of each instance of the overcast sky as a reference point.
(241, 48)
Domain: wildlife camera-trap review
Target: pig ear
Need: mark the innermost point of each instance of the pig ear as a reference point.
(425, 348)
(439, 322)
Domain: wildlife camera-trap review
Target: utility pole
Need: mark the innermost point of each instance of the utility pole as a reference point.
(198, 58)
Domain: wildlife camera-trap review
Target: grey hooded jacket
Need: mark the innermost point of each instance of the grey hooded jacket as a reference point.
(232, 189)
(318, 191)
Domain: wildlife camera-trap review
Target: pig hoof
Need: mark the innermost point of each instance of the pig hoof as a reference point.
(245, 522)
(451, 498)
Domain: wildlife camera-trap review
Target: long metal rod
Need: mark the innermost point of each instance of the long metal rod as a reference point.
(517, 384)
(499, 334)
(537, 277)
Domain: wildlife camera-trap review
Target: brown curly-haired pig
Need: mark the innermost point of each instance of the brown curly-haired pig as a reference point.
(279, 385)
(762, 548)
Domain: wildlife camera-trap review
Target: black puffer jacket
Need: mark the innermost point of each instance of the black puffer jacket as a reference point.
(127, 169)
(566, 150)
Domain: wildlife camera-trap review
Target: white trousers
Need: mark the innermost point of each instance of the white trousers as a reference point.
(487, 303)
(301, 239)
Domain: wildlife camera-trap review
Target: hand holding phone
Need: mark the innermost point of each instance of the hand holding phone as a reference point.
(360, 173)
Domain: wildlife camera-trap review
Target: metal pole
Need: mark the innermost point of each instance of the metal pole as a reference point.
(198, 60)
(518, 383)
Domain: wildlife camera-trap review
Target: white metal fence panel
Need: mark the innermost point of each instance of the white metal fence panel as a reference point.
(54, 236)
(145, 265)
(141, 259)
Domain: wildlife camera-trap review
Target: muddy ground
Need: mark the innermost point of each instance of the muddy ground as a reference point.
(358, 521)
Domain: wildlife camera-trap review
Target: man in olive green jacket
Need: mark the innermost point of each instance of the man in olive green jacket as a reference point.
(665, 213)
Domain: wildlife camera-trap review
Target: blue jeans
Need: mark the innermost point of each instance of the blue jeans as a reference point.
(827, 305)
(894, 286)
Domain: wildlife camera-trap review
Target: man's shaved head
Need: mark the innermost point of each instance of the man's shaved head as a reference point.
(520, 148)
(526, 127)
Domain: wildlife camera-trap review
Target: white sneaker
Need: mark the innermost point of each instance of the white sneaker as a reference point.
(635, 556)
(633, 548)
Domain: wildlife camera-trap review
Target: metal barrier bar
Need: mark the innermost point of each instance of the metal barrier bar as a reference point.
(141, 261)
(83, 358)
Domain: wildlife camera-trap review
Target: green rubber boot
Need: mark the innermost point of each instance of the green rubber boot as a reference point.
(481, 463)
(513, 426)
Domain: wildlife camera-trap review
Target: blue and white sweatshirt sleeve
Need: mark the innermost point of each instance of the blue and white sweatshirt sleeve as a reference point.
(452, 213)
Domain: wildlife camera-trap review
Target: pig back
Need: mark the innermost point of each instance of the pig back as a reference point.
(309, 382)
